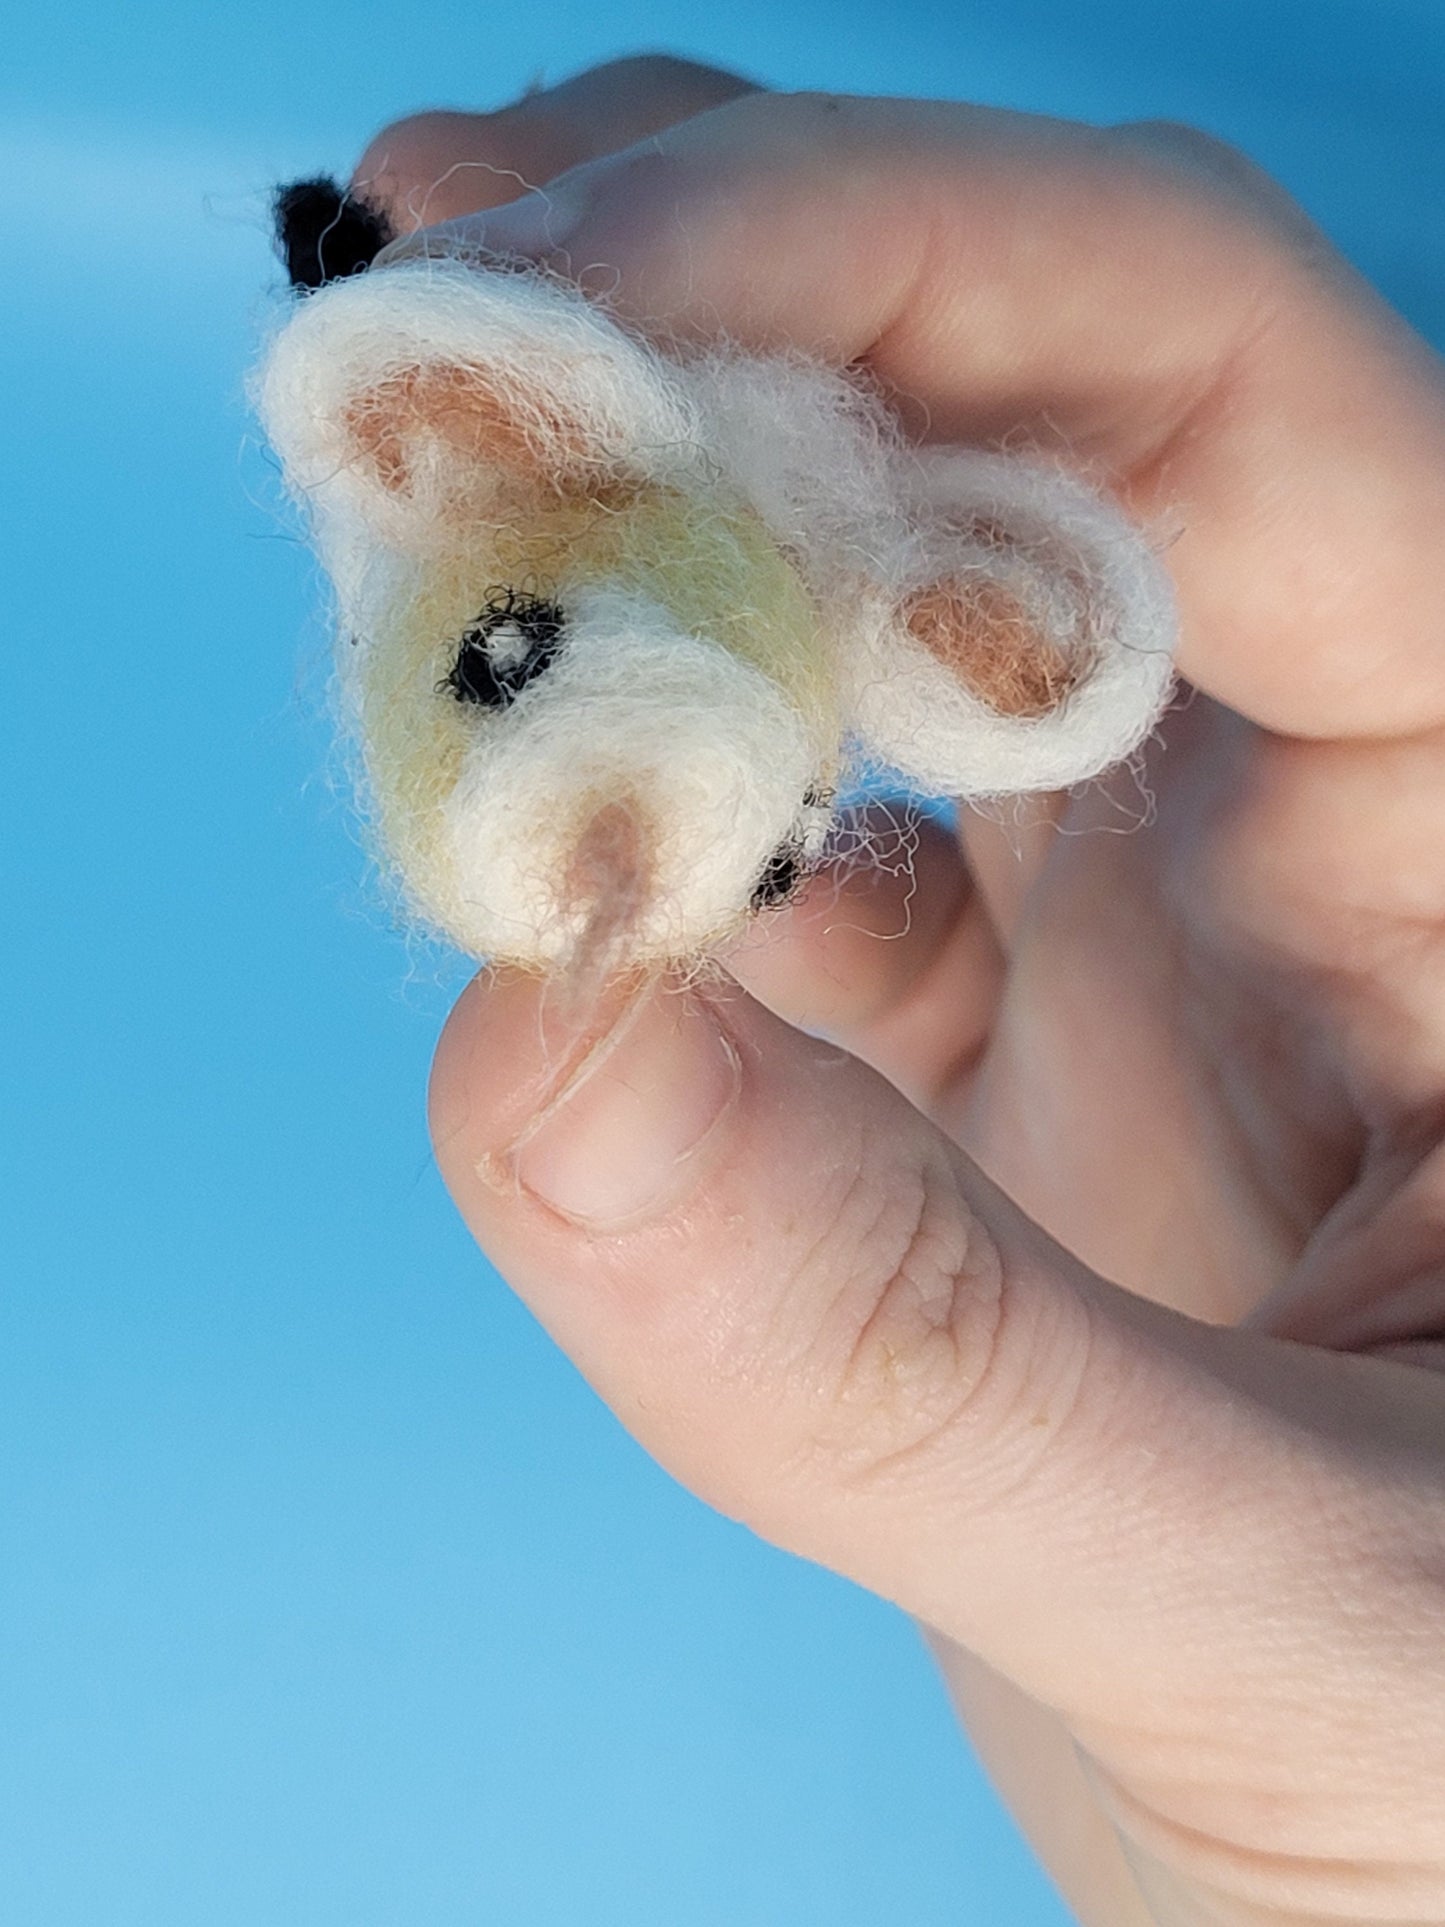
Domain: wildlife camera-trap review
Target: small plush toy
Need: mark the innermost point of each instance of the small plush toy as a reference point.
(618, 622)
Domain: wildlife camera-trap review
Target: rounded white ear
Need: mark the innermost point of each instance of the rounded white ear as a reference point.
(411, 401)
(1026, 640)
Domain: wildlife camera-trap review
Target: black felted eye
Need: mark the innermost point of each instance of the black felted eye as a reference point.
(512, 642)
(324, 234)
(796, 858)
(780, 877)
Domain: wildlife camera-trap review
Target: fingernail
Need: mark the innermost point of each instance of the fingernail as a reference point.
(626, 1138)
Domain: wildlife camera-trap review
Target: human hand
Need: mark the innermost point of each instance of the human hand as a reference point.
(1181, 1533)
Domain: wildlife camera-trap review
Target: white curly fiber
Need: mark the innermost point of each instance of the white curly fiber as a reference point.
(750, 569)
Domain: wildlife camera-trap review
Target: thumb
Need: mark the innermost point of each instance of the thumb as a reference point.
(819, 1315)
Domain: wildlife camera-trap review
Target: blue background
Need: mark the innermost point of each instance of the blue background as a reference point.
(330, 1597)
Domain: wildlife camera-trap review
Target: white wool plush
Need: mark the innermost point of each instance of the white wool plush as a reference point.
(549, 357)
(1068, 569)
(616, 620)
(692, 760)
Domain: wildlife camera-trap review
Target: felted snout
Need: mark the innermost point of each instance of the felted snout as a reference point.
(636, 792)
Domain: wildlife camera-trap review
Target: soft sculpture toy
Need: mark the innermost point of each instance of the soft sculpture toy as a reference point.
(618, 622)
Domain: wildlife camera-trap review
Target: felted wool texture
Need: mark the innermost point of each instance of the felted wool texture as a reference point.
(1055, 594)
(1058, 657)
(753, 576)
(690, 765)
(405, 403)
(708, 743)
(815, 452)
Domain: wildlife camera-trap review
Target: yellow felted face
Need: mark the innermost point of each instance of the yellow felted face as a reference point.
(716, 575)
(597, 712)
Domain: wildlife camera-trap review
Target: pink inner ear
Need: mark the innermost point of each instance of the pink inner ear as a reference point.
(525, 439)
(980, 630)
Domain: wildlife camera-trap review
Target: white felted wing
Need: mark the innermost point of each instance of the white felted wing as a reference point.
(1028, 635)
(410, 402)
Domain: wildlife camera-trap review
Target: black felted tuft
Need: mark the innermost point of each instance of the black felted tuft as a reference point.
(781, 875)
(789, 864)
(483, 673)
(324, 233)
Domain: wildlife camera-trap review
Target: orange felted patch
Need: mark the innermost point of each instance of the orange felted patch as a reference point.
(982, 632)
(477, 418)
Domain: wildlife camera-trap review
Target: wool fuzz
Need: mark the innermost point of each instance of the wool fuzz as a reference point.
(619, 623)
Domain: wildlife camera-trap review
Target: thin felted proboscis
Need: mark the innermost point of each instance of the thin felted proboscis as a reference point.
(620, 621)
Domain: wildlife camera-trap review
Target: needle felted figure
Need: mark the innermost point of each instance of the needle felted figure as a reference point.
(619, 620)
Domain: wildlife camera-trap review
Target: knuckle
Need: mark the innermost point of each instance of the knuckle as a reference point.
(1228, 177)
(414, 139)
(912, 1285)
(1194, 145)
(407, 158)
(671, 74)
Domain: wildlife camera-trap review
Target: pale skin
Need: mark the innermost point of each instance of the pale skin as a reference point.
(1055, 1242)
